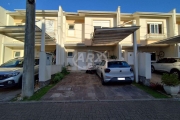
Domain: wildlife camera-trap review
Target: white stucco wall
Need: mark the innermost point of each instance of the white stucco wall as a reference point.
(116, 50)
(177, 29)
(7, 54)
(89, 28)
(170, 51)
(76, 35)
(5, 20)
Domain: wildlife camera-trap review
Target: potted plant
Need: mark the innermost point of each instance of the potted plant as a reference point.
(69, 66)
(170, 83)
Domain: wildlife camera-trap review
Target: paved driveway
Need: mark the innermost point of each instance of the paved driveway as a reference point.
(156, 78)
(79, 86)
(7, 94)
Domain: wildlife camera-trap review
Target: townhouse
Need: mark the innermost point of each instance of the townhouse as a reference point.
(72, 33)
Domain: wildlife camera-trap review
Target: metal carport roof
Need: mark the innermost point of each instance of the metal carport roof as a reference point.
(111, 36)
(18, 33)
(171, 40)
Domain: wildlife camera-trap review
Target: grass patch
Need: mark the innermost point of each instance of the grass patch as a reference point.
(150, 91)
(41, 92)
(37, 95)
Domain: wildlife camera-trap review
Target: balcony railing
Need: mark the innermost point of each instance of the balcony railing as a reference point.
(156, 36)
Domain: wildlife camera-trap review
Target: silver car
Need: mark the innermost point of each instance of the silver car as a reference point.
(12, 70)
(115, 71)
(170, 65)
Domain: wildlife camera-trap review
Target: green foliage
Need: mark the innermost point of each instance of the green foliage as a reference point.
(150, 91)
(69, 65)
(37, 95)
(55, 79)
(170, 79)
(113, 57)
(64, 71)
(58, 77)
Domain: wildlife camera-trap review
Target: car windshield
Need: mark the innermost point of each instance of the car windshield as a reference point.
(13, 63)
(117, 64)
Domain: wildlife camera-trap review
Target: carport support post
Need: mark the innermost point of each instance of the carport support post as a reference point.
(120, 51)
(135, 57)
(28, 66)
(42, 63)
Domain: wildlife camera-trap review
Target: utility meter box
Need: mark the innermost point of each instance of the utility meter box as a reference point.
(49, 59)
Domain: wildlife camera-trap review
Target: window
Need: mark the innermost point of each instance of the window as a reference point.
(36, 62)
(99, 23)
(17, 54)
(71, 27)
(96, 27)
(103, 63)
(117, 64)
(153, 56)
(70, 54)
(155, 28)
(71, 31)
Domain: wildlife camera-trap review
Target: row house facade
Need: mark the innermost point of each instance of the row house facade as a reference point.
(73, 33)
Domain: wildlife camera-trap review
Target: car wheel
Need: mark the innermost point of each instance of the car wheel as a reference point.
(152, 69)
(102, 80)
(176, 72)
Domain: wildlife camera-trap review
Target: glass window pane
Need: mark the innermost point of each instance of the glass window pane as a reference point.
(148, 28)
(70, 54)
(117, 64)
(156, 29)
(71, 27)
(160, 28)
(152, 28)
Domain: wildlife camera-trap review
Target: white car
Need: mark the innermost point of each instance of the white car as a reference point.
(115, 71)
(170, 65)
(11, 72)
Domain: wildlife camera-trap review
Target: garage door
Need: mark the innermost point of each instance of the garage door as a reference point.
(104, 23)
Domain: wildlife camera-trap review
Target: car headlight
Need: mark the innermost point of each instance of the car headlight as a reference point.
(11, 74)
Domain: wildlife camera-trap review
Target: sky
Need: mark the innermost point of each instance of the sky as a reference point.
(127, 6)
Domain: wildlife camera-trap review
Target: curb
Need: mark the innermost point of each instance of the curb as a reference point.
(83, 101)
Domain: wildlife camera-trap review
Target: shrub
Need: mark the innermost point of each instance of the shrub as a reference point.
(57, 77)
(64, 71)
(170, 79)
(156, 86)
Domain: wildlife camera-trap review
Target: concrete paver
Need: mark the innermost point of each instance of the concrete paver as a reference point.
(156, 78)
(7, 94)
(121, 110)
(79, 86)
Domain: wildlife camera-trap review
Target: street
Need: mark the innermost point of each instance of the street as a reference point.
(120, 110)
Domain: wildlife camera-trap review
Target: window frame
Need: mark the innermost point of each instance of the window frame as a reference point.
(157, 27)
(14, 53)
(71, 28)
(68, 54)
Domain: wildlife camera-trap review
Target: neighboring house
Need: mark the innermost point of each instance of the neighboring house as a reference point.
(73, 32)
